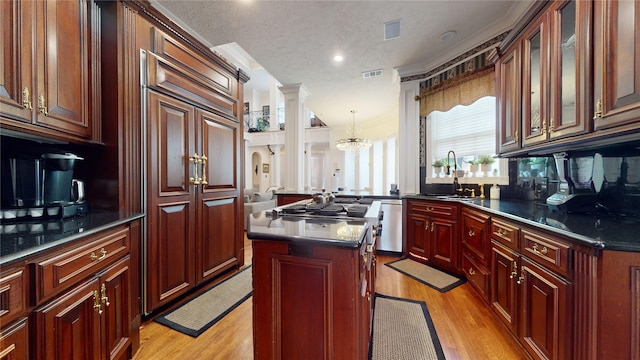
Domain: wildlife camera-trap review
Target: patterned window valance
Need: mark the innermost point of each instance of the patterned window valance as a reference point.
(460, 90)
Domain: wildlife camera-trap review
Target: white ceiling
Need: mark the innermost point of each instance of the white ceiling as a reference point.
(295, 42)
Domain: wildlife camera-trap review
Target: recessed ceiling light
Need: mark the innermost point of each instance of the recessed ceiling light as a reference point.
(338, 58)
(447, 36)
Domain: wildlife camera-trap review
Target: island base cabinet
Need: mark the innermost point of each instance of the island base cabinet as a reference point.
(308, 302)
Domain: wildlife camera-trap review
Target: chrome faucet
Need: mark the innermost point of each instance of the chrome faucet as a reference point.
(455, 170)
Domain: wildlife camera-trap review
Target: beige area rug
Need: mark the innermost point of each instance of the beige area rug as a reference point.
(427, 275)
(403, 330)
(201, 312)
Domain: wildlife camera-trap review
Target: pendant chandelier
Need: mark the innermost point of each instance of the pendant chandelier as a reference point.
(353, 143)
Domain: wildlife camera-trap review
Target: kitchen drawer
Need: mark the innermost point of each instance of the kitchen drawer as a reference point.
(53, 274)
(477, 275)
(506, 233)
(551, 254)
(475, 237)
(14, 341)
(13, 301)
(433, 208)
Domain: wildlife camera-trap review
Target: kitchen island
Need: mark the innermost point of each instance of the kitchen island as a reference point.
(313, 283)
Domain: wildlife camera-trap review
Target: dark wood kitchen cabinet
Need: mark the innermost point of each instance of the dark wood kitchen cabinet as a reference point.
(14, 341)
(616, 94)
(91, 321)
(50, 80)
(431, 233)
(193, 210)
(475, 250)
(531, 291)
(290, 279)
(544, 79)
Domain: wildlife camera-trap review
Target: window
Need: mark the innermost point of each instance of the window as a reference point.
(470, 131)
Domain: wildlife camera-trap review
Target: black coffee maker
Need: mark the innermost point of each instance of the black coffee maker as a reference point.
(38, 185)
(580, 178)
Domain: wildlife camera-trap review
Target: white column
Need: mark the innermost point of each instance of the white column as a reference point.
(273, 105)
(294, 96)
(307, 166)
(409, 139)
(275, 165)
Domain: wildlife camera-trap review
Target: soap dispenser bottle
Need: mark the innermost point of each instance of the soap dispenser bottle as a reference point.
(494, 193)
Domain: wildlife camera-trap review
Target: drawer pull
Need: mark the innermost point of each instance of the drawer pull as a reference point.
(97, 306)
(502, 232)
(544, 250)
(471, 271)
(104, 298)
(94, 257)
(471, 232)
(429, 208)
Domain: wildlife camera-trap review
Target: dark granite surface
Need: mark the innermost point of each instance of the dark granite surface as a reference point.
(351, 193)
(19, 240)
(309, 231)
(599, 230)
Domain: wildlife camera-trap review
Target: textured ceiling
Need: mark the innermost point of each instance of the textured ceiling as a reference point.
(295, 42)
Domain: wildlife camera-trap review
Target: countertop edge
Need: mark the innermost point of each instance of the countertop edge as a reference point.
(22, 255)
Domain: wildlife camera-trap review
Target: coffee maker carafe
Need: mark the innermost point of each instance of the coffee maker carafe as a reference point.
(580, 177)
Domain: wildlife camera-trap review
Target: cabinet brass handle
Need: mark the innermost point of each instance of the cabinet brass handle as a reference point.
(26, 98)
(194, 159)
(471, 232)
(544, 127)
(544, 250)
(515, 137)
(514, 271)
(104, 298)
(521, 278)
(103, 254)
(432, 226)
(471, 271)
(426, 225)
(429, 209)
(598, 113)
(93, 256)
(97, 306)
(42, 105)
(203, 180)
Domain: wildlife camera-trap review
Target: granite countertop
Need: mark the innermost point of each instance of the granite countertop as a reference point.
(598, 230)
(21, 240)
(307, 230)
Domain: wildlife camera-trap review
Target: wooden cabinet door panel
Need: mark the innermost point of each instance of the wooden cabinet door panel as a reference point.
(508, 82)
(62, 74)
(444, 251)
(504, 274)
(16, 65)
(115, 291)
(545, 320)
(616, 63)
(69, 327)
(535, 92)
(216, 245)
(220, 138)
(417, 237)
(171, 213)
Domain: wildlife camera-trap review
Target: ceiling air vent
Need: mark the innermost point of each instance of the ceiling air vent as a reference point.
(392, 29)
(372, 73)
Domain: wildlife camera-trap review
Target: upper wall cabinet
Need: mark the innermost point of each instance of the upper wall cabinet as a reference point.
(616, 94)
(548, 64)
(46, 84)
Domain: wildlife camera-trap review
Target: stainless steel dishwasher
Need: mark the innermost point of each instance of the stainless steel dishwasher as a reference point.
(391, 238)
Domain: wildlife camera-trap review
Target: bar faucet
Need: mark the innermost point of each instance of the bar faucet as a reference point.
(455, 170)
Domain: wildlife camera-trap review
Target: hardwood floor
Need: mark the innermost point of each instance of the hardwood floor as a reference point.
(466, 327)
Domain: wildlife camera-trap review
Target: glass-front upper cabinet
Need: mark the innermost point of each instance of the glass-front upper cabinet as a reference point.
(570, 66)
(535, 80)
